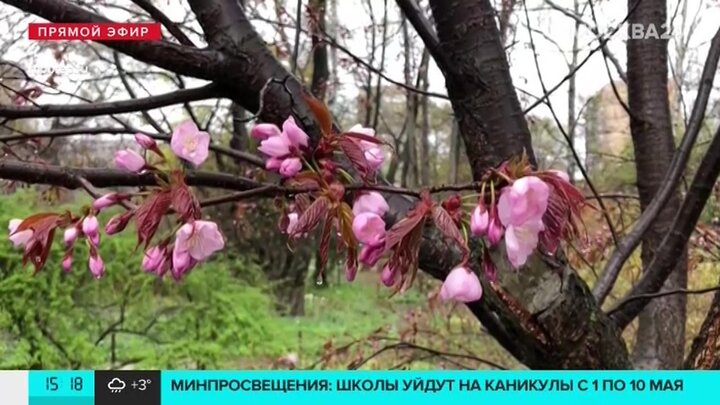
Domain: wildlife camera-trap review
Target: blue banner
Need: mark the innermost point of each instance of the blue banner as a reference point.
(380, 387)
(356, 387)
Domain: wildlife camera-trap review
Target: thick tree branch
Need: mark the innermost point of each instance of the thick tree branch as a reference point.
(201, 63)
(62, 132)
(420, 22)
(71, 177)
(674, 242)
(109, 107)
(672, 177)
(163, 19)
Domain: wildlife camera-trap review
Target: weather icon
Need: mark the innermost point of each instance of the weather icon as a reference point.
(116, 385)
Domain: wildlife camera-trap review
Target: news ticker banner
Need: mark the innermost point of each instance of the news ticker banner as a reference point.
(353, 387)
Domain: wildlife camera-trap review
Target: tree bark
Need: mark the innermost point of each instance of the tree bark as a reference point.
(660, 337)
(321, 70)
(705, 351)
(559, 324)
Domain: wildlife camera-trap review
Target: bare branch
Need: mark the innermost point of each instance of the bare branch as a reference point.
(110, 107)
(672, 177)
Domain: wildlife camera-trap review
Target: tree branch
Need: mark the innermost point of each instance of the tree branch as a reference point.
(674, 242)
(677, 166)
(110, 107)
(420, 22)
(163, 19)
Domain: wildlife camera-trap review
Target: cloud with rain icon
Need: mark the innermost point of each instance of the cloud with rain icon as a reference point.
(116, 385)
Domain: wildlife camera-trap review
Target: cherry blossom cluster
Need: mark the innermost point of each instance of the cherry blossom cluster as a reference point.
(527, 209)
(193, 240)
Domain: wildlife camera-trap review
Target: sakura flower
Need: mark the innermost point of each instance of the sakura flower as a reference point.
(21, 238)
(461, 284)
(290, 167)
(525, 200)
(294, 133)
(370, 254)
(292, 222)
(153, 259)
(189, 143)
(107, 200)
(70, 235)
(182, 262)
(388, 276)
(262, 132)
(372, 202)
(67, 262)
(129, 160)
(373, 153)
(479, 220)
(521, 241)
(274, 164)
(489, 267)
(118, 223)
(90, 228)
(561, 174)
(495, 230)
(368, 228)
(145, 141)
(276, 147)
(200, 239)
(96, 265)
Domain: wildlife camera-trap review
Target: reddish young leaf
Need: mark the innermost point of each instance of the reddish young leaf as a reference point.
(403, 227)
(38, 247)
(345, 219)
(366, 138)
(446, 225)
(355, 155)
(185, 203)
(321, 112)
(310, 218)
(149, 215)
(405, 256)
(325, 245)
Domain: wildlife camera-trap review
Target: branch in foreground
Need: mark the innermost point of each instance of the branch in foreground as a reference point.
(672, 178)
(201, 63)
(62, 132)
(71, 178)
(110, 107)
(674, 242)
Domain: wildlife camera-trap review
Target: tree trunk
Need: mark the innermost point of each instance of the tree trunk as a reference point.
(705, 351)
(424, 150)
(562, 326)
(660, 337)
(454, 154)
(321, 70)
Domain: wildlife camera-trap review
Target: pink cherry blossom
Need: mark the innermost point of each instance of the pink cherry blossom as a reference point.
(129, 160)
(70, 235)
(67, 262)
(350, 272)
(370, 254)
(461, 284)
(375, 157)
(118, 223)
(359, 129)
(145, 141)
(525, 200)
(262, 132)
(292, 222)
(189, 143)
(521, 241)
(90, 228)
(479, 220)
(274, 164)
(276, 147)
(19, 238)
(200, 239)
(96, 265)
(388, 276)
(561, 174)
(295, 134)
(495, 230)
(290, 167)
(153, 259)
(489, 267)
(368, 228)
(182, 262)
(372, 202)
(107, 200)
